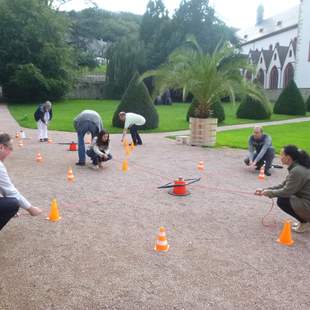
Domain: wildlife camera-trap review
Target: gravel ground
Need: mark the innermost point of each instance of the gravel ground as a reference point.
(100, 254)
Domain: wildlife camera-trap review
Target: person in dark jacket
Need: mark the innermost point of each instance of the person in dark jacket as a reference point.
(88, 121)
(293, 195)
(261, 151)
(43, 115)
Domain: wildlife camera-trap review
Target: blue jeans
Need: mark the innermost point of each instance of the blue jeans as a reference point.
(86, 127)
(96, 159)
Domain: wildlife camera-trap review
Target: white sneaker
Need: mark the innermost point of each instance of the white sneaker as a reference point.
(301, 227)
(95, 167)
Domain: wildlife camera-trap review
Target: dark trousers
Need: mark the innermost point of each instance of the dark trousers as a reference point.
(266, 159)
(8, 208)
(136, 139)
(86, 127)
(96, 159)
(285, 205)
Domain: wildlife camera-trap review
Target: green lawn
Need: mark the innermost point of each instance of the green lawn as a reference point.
(171, 118)
(298, 134)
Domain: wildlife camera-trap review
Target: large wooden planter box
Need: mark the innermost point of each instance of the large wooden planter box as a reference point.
(203, 131)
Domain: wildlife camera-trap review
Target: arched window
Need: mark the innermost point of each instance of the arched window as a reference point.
(273, 84)
(288, 74)
(248, 75)
(260, 77)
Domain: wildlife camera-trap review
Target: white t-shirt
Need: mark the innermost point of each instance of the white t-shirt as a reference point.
(134, 119)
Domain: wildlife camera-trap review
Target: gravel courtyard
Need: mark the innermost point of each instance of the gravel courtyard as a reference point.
(100, 254)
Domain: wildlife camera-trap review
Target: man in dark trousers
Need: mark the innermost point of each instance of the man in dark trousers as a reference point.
(10, 198)
(260, 150)
(87, 121)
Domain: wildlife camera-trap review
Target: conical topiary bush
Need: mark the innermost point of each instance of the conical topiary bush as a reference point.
(290, 101)
(308, 104)
(251, 108)
(137, 99)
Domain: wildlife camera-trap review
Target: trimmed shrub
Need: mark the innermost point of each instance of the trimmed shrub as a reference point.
(253, 109)
(308, 104)
(137, 99)
(290, 101)
(216, 112)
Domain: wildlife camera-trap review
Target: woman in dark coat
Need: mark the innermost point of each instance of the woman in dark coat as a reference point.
(293, 195)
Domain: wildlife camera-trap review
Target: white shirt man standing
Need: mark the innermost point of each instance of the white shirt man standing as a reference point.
(131, 122)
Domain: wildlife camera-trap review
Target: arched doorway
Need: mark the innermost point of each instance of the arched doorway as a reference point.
(274, 77)
(248, 75)
(260, 77)
(288, 74)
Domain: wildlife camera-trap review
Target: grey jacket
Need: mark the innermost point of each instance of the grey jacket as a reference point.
(87, 115)
(296, 187)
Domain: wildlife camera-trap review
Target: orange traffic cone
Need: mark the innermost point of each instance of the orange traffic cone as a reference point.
(50, 141)
(161, 244)
(39, 157)
(127, 150)
(201, 166)
(286, 234)
(21, 144)
(70, 175)
(54, 213)
(17, 135)
(125, 143)
(261, 175)
(125, 165)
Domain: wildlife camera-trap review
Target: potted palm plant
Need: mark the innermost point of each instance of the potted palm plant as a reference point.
(208, 77)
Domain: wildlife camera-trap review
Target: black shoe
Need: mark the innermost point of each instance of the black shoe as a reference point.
(268, 173)
(139, 143)
(80, 164)
(45, 140)
(41, 140)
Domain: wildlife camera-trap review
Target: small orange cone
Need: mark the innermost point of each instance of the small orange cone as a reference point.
(286, 234)
(54, 213)
(261, 175)
(161, 244)
(125, 165)
(50, 141)
(127, 150)
(17, 135)
(201, 166)
(70, 175)
(21, 144)
(39, 157)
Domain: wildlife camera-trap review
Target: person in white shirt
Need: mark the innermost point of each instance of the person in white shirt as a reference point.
(132, 121)
(43, 115)
(10, 198)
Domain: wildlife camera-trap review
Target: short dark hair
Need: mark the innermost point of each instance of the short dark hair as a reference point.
(5, 138)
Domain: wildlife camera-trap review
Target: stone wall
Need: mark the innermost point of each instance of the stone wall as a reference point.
(84, 90)
(273, 94)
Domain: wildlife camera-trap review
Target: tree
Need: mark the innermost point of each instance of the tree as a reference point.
(208, 77)
(251, 108)
(290, 101)
(308, 104)
(124, 59)
(33, 50)
(137, 99)
(197, 18)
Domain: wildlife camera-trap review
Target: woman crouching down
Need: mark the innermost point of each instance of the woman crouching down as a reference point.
(293, 195)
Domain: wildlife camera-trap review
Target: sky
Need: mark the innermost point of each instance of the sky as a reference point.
(236, 13)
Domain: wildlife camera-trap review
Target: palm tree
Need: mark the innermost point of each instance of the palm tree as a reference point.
(208, 77)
